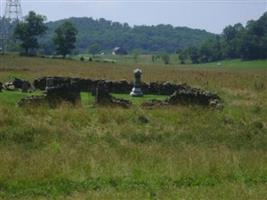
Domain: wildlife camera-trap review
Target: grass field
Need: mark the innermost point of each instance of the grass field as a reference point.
(179, 152)
(174, 61)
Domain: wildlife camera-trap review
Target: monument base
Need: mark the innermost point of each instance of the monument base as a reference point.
(136, 92)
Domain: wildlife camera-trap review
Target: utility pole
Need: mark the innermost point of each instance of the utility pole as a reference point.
(13, 10)
(3, 35)
(13, 14)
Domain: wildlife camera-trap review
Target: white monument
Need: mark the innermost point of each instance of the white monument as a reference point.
(137, 91)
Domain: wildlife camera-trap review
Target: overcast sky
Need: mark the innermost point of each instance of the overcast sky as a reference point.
(211, 15)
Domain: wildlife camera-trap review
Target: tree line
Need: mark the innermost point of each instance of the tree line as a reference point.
(236, 42)
(103, 35)
(146, 39)
(29, 31)
(63, 37)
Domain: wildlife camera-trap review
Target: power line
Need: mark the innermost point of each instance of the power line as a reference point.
(12, 14)
(13, 10)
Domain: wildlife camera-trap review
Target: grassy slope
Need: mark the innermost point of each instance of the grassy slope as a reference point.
(174, 61)
(88, 152)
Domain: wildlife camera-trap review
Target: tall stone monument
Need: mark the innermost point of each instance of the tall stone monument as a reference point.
(137, 91)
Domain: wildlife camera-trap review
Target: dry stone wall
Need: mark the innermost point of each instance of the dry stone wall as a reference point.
(103, 97)
(121, 86)
(58, 89)
(18, 84)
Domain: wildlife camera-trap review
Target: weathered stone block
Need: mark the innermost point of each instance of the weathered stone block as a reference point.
(67, 93)
(17, 84)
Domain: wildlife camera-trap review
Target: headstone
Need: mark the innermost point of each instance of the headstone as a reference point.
(137, 91)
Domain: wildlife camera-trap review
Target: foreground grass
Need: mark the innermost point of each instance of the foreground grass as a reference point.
(179, 152)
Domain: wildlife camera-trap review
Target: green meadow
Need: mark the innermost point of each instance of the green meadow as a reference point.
(178, 152)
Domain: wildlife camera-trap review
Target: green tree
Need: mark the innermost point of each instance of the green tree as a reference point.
(65, 38)
(183, 55)
(254, 45)
(194, 55)
(94, 49)
(165, 58)
(233, 36)
(29, 31)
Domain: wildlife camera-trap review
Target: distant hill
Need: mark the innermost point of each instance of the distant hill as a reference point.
(108, 34)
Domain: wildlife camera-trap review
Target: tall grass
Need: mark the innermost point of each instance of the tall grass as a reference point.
(179, 152)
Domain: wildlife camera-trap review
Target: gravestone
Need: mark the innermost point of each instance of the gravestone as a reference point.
(137, 91)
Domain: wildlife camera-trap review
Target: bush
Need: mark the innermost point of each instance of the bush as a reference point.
(166, 59)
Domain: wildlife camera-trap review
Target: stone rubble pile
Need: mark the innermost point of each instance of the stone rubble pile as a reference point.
(17, 84)
(192, 96)
(54, 95)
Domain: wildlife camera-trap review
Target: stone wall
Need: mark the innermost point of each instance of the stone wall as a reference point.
(103, 97)
(18, 84)
(85, 85)
(67, 93)
(68, 89)
(54, 96)
(188, 96)
(121, 86)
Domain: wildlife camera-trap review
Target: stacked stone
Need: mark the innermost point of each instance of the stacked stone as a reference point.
(192, 96)
(17, 84)
(102, 95)
(63, 91)
(104, 98)
(120, 87)
(40, 83)
(57, 90)
(68, 89)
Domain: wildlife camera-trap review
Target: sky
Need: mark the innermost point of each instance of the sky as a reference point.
(211, 15)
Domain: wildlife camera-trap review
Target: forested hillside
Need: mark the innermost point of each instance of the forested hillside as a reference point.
(238, 41)
(107, 35)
